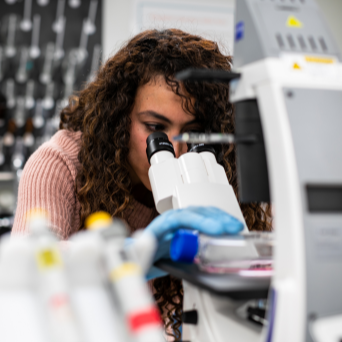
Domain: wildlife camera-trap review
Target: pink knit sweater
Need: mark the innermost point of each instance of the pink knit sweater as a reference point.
(48, 181)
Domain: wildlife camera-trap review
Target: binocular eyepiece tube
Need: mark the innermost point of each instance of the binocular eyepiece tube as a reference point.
(159, 142)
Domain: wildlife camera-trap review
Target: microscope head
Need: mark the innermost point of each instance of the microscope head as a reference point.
(193, 179)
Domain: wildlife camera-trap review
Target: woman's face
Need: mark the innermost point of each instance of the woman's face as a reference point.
(156, 108)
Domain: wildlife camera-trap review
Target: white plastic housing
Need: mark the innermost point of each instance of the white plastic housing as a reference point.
(194, 179)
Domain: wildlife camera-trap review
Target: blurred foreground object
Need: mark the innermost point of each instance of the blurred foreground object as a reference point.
(87, 289)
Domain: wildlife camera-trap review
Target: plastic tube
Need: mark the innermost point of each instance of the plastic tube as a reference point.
(97, 314)
(128, 283)
(21, 316)
(52, 280)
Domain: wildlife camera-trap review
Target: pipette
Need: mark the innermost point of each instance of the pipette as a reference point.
(48, 100)
(20, 116)
(52, 281)
(22, 74)
(57, 25)
(46, 75)
(26, 23)
(18, 158)
(43, 2)
(29, 141)
(89, 27)
(10, 49)
(10, 2)
(74, 3)
(29, 96)
(94, 63)
(68, 89)
(82, 53)
(34, 49)
(59, 51)
(38, 120)
(69, 65)
(10, 93)
(18, 300)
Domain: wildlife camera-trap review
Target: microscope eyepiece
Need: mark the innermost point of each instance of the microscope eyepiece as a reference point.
(201, 148)
(158, 141)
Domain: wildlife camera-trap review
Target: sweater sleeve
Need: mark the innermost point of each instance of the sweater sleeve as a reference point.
(47, 183)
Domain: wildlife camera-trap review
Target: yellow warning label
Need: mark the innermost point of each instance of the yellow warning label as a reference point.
(294, 22)
(323, 60)
(48, 258)
(296, 66)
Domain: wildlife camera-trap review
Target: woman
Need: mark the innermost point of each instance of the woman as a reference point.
(97, 161)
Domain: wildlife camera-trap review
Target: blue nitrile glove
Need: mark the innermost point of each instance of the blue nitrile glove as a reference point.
(206, 220)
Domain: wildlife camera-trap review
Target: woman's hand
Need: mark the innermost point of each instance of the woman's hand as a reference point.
(206, 220)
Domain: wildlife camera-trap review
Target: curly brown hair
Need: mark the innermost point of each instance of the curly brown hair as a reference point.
(102, 113)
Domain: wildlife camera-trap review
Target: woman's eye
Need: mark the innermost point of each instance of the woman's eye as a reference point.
(155, 127)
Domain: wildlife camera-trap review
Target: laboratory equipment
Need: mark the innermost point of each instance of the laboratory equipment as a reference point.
(282, 91)
(288, 94)
(58, 24)
(95, 61)
(196, 179)
(34, 48)
(141, 314)
(26, 23)
(188, 177)
(89, 27)
(35, 62)
(29, 95)
(86, 289)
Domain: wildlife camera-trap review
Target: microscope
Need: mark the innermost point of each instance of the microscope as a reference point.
(287, 92)
(196, 179)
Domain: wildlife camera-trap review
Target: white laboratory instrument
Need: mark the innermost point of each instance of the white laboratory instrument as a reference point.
(87, 289)
(196, 179)
(287, 92)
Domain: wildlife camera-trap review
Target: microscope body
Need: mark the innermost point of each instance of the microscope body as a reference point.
(196, 179)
